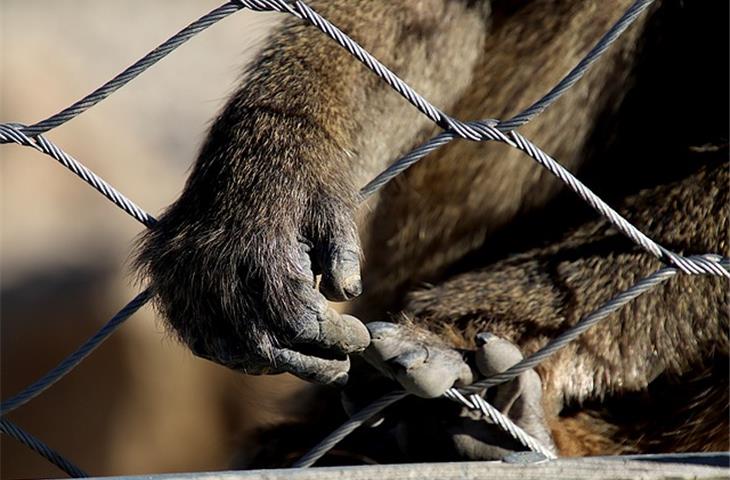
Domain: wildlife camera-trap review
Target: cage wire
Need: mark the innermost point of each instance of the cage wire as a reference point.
(503, 131)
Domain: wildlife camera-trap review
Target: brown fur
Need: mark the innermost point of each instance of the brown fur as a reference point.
(282, 162)
(678, 330)
(460, 195)
(310, 125)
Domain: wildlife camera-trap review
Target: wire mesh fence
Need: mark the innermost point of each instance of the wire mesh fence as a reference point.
(479, 131)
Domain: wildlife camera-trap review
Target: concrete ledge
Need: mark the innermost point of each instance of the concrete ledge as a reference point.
(648, 467)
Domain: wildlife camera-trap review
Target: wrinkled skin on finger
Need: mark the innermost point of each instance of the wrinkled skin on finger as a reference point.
(316, 343)
(248, 298)
(422, 364)
(418, 360)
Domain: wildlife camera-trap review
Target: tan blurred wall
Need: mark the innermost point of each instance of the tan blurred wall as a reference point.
(140, 404)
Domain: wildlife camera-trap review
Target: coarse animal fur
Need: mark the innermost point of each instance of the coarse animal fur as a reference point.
(271, 202)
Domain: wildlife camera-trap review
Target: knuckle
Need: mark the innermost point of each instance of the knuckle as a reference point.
(412, 359)
(303, 326)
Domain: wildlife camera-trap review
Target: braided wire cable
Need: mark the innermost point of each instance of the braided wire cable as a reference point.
(482, 130)
(303, 11)
(507, 425)
(134, 70)
(348, 427)
(692, 265)
(462, 129)
(15, 133)
(70, 362)
(476, 402)
(405, 162)
(11, 429)
(485, 130)
(586, 194)
(561, 341)
(400, 165)
(31, 136)
(457, 394)
(696, 265)
(579, 70)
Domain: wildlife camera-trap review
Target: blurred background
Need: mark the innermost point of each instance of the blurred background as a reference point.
(140, 403)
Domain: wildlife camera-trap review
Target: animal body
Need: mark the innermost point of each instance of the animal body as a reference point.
(267, 228)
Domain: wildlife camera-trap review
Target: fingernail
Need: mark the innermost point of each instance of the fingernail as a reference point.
(359, 334)
(379, 329)
(341, 379)
(482, 338)
(353, 286)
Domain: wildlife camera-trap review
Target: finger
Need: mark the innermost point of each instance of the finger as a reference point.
(520, 398)
(428, 373)
(388, 340)
(418, 360)
(382, 330)
(310, 368)
(340, 265)
(495, 355)
(342, 334)
(304, 272)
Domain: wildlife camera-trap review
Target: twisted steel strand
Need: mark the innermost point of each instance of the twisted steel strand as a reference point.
(477, 131)
(510, 427)
(562, 340)
(134, 70)
(348, 427)
(15, 133)
(11, 429)
(476, 402)
(483, 130)
(579, 70)
(529, 113)
(70, 362)
(611, 306)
